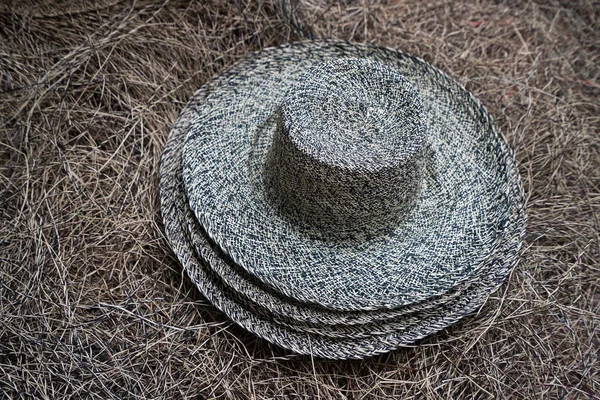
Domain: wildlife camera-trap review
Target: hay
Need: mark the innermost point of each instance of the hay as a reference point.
(92, 302)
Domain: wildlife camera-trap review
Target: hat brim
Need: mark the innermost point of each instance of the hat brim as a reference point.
(458, 219)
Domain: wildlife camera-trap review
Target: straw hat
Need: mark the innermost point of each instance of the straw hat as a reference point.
(339, 199)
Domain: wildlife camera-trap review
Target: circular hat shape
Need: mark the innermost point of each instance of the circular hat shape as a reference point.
(451, 226)
(218, 277)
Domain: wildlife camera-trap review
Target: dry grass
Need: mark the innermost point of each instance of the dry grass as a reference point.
(94, 305)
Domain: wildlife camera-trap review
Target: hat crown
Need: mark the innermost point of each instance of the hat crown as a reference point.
(354, 113)
(347, 151)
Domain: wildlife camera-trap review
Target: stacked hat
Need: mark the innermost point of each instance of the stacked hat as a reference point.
(339, 199)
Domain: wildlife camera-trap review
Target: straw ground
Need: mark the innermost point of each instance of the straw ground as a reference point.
(94, 305)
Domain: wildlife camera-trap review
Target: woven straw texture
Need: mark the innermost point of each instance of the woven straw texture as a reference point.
(274, 269)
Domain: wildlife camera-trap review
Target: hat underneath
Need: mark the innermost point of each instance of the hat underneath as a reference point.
(347, 196)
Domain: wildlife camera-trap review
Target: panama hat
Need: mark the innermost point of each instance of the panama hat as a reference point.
(339, 199)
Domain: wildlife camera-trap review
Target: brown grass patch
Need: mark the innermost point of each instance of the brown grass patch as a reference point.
(93, 303)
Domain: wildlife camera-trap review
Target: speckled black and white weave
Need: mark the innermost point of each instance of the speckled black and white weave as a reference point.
(401, 211)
